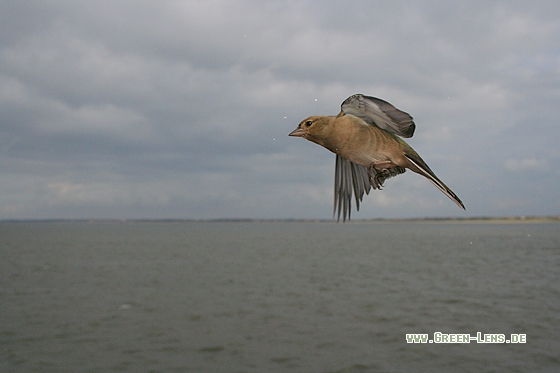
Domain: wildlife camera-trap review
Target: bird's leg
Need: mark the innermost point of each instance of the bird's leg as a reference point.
(376, 177)
(378, 172)
(372, 176)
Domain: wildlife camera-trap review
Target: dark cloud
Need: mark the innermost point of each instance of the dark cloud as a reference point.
(140, 109)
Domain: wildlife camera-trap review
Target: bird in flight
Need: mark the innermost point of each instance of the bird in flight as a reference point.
(365, 138)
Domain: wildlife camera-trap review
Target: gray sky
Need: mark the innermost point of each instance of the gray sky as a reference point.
(181, 109)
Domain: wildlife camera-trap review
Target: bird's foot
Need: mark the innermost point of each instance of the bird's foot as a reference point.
(377, 176)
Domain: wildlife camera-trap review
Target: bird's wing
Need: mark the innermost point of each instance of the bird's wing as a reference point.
(348, 177)
(380, 113)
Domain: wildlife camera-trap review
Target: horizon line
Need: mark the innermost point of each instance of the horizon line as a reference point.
(519, 218)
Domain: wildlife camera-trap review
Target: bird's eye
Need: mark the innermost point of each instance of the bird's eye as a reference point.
(308, 123)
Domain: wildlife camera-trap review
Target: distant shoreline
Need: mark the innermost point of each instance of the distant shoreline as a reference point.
(508, 219)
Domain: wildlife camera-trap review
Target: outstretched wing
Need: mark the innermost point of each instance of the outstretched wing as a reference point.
(349, 178)
(380, 113)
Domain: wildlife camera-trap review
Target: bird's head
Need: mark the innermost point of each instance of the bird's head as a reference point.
(313, 129)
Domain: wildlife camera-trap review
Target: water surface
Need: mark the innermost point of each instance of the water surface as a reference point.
(276, 296)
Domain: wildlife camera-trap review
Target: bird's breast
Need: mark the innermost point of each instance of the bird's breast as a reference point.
(362, 143)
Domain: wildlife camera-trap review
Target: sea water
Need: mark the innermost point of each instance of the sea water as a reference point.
(277, 296)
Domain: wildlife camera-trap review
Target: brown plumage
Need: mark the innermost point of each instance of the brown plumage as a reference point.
(363, 137)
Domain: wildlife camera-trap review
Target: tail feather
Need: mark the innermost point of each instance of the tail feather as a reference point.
(419, 166)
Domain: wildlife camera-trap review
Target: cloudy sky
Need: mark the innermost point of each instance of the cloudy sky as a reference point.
(181, 109)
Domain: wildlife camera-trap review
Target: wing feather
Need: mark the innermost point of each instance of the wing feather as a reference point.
(380, 113)
(349, 178)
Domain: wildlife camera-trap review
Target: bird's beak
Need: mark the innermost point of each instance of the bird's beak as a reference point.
(298, 132)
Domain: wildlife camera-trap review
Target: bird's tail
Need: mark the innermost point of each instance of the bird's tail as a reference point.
(419, 166)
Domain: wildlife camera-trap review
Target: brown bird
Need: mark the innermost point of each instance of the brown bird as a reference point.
(364, 138)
